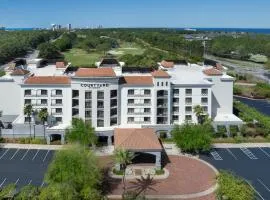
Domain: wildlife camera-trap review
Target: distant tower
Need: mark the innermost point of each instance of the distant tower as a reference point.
(69, 27)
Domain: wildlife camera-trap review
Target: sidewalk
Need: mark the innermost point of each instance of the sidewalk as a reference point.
(240, 145)
(30, 146)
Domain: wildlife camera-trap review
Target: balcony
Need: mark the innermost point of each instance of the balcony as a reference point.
(139, 95)
(56, 104)
(57, 113)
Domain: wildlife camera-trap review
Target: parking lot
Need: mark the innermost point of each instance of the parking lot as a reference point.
(23, 166)
(252, 164)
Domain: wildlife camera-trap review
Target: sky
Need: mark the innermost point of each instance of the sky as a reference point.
(136, 13)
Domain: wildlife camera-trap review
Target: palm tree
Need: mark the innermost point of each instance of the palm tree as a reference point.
(43, 115)
(123, 158)
(28, 110)
(142, 185)
(199, 113)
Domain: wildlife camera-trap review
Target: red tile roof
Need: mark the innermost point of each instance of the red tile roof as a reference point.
(95, 72)
(136, 139)
(138, 80)
(160, 74)
(19, 72)
(219, 67)
(50, 80)
(212, 72)
(60, 65)
(167, 64)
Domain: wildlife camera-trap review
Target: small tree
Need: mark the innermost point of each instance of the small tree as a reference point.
(193, 137)
(43, 116)
(28, 192)
(199, 113)
(81, 132)
(28, 110)
(123, 158)
(233, 187)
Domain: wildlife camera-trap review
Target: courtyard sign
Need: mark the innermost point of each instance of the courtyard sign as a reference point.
(94, 85)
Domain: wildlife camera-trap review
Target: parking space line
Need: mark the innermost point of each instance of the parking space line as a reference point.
(35, 155)
(46, 155)
(17, 181)
(42, 184)
(230, 152)
(261, 182)
(215, 155)
(267, 154)
(248, 153)
(14, 154)
(25, 154)
(4, 154)
(3, 182)
(30, 182)
(255, 190)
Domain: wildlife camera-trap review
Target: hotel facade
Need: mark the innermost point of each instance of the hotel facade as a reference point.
(112, 96)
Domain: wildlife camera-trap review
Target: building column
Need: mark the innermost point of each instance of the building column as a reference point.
(62, 139)
(158, 160)
(228, 130)
(48, 139)
(109, 140)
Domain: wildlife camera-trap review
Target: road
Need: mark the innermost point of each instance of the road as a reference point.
(250, 163)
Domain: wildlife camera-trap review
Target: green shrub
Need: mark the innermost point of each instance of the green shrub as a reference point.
(239, 139)
(118, 172)
(233, 187)
(163, 135)
(8, 191)
(234, 130)
(221, 131)
(160, 171)
(2, 140)
(237, 90)
(38, 141)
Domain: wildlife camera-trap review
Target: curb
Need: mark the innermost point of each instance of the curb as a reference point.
(31, 146)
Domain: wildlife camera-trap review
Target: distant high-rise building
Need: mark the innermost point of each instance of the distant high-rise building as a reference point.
(69, 27)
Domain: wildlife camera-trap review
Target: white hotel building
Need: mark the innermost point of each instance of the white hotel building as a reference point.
(111, 96)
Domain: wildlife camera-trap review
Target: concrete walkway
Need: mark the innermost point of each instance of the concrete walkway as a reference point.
(30, 146)
(240, 145)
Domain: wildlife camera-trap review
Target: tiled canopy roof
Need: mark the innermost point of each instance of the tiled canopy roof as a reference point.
(219, 67)
(51, 80)
(167, 64)
(137, 80)
(212, 72)
(95, 72)
(136, 139)
(160, 74)
(19, 72)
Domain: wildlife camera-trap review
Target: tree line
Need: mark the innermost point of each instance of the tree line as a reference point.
(17, 43)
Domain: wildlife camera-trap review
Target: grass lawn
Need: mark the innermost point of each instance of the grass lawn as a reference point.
(127, 48)
(81, 58)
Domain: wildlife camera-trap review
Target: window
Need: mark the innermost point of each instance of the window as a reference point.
(44, 92)
(166, 83)
(175, 117)
(113, 102)
(146, 119)
(175, 100)
(188, 117)
(130, 101)
(100, 113)
(175, 109)
(100, 123)
(75, 102)
(147, 92)
(58, 110)
(188, 100)
(43, 101)
(113, 121)
(58, 101)
(204, 92)
(75, 93)
(88, 114)
(27, 119)
(176, 92)
(27, 92)
(162, 83)
(130, 110)
(88, 95)
(147, 110)
(58, 119)
(130, 119)
(113, 93)
(58, 92)
(147, 101)
(188, 109)
(204, 100)
(88, 104)
(157, 83)
(188, 91)
(130, 92)
(113, 111)
(100, 104)
(27, 101)
(100, 95)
